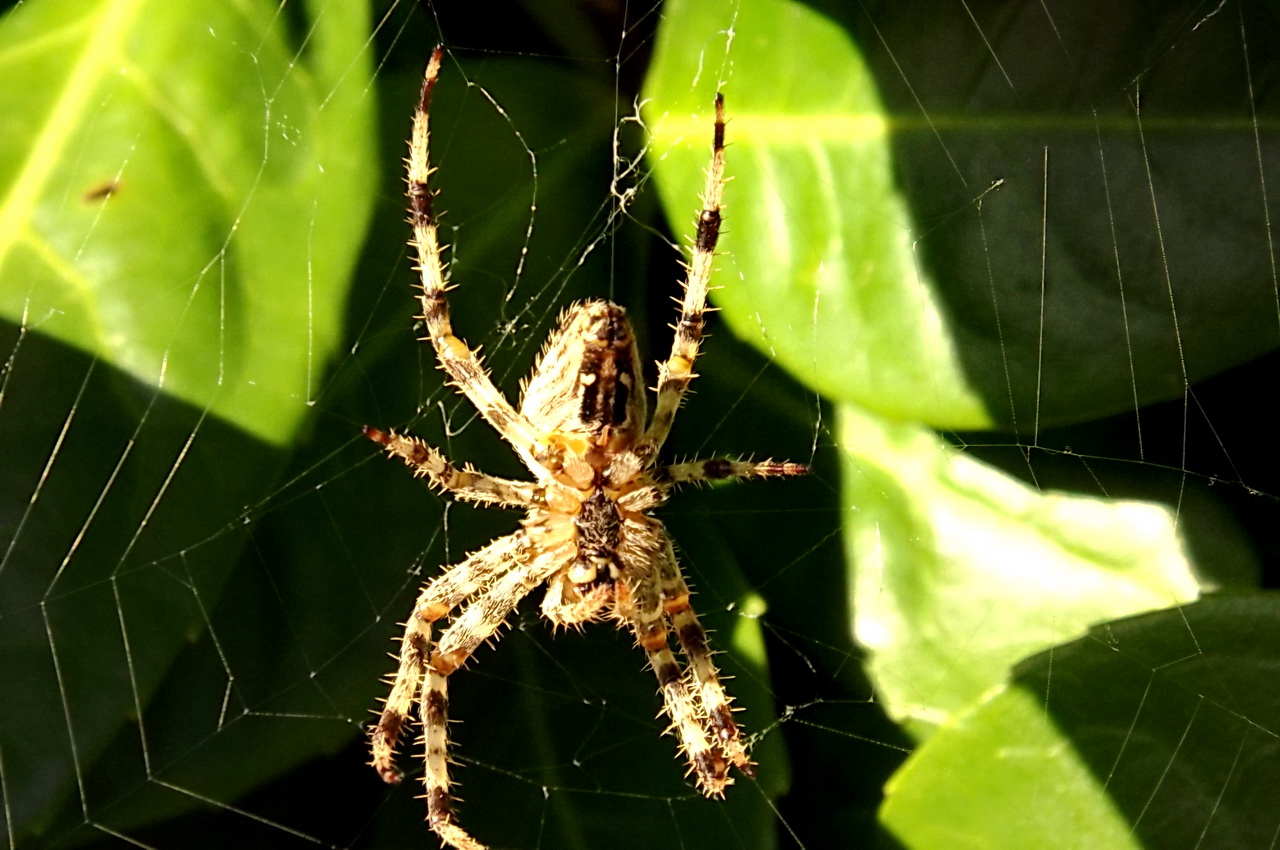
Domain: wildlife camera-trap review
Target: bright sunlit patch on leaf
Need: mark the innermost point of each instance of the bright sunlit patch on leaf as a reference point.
(817, 232)
(217, 262)
(959, 571)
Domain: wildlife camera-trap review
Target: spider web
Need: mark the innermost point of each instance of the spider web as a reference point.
(1005, 277)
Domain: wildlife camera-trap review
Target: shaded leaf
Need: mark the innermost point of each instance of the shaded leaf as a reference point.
(940, 220)
(1160, 731)
(933, 240)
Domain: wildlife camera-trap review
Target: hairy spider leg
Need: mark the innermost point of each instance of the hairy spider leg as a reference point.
(438, 597)
(462, 364)
(434, 711)
(648, 620)
(467, 483)
(587, 535)
(714, 702)
(722, 469)
(479, 621)
(486, 612)
(425, 667)
(675, 373)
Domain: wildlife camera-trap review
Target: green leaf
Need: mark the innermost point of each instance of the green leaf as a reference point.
(183, 188)
(194, 228)
(961, 571)
(1153, 731)
(946, 220)
(1001, 776)
(963, 248)
(821, 264)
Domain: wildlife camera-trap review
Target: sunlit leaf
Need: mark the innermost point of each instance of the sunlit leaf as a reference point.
(817, 268)
(1002, 777)
(180, 198)
(182, 192)
(958, 571)
(1154, 731)
(936, 223)
(914, 231)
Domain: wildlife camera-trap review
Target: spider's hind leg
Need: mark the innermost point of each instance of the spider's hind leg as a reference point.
(385, 734)
(434, 710)
(478, 621)
(706, 759)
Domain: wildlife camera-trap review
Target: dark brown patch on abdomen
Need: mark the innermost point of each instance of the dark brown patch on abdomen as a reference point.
(606, 377)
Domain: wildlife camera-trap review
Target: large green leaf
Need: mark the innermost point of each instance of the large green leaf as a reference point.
(1154, 731)
(935, 225)
(963, 248)
(961, 572)
(183, 188)
(816, 239)
(180, 198)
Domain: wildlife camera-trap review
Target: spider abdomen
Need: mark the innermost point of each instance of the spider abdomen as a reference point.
(588, 379)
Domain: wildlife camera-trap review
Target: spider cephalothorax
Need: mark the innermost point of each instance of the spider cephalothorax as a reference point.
(582, 430)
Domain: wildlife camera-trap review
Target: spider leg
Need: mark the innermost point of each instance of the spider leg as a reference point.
(434, 710)
(716, 713)
(647, 615)
(466, 483)
(721, 469)
(438, 597)
(676, 372)
(479, 620)
(486, 613)
(462, 364)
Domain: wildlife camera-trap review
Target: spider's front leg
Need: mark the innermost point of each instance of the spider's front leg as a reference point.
(458, 361)
(675, 373)
(648, 620)
(438, 597)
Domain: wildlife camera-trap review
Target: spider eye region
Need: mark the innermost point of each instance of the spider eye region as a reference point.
(599, 533)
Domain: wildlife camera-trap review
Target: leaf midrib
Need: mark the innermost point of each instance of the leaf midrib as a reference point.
(102, 45)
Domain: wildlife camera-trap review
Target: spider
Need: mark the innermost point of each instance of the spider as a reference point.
(581, 430)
